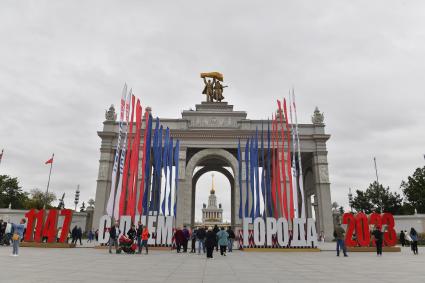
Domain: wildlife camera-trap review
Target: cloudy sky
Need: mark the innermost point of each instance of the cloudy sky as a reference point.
(62, 63)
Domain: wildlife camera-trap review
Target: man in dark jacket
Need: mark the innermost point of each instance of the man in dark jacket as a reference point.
(74, 234)
(114, 233)
(79, 235)
(402, 238)
(200, 236)
(216, 230)
(193, 240)
(379, 238)
(339, 234)
(139, 232)
(232, 237)
(186, 234)
(210, 242)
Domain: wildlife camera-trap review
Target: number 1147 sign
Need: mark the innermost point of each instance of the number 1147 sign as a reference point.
(40, 226)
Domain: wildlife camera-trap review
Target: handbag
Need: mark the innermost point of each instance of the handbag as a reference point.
(15, 237)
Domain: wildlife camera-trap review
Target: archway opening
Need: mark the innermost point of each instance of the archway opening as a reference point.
(213, 198)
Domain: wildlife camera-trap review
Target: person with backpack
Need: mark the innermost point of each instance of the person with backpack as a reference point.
(17, 235)
(414, 236)
(232, 237)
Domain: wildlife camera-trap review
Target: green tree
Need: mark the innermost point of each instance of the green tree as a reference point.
(11, 193)
(378, 199)
(414, 189)
(39, 198)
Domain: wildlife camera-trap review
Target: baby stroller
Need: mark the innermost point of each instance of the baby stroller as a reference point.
(127, 245)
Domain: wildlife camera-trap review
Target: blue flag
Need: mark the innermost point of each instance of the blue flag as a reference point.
(247, 177)
(165, 162)
(252, 177)
(170, 165)
(176, 186)
(240, 179)
(147, 166)
(268, 174)
(257, 176)
(154, 164)
(263, 171)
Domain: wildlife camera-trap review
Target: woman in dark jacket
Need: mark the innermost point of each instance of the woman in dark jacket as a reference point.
(179, 236)
(210, 242)
(414, 236)
(132, 232)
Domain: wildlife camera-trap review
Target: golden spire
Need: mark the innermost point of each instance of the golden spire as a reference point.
(212, 184)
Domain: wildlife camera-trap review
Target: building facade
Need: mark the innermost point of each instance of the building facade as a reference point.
(212, 214)
(209, 138)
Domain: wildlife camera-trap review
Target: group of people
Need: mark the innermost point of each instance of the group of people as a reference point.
(411, 239)
(11, 233)
(140, 235)
(378, 236)
(207, 239)
(5, 232)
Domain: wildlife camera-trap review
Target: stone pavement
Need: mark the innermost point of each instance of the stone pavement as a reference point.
(96, 265)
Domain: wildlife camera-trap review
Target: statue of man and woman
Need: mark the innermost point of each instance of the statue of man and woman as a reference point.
(213, 89)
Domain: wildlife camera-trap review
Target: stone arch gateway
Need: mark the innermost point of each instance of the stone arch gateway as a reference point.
(209, 138)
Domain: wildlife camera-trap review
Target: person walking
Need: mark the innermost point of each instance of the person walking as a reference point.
(139, 232)
(18, 234)
(216, 230)
(414, 245)
(232, 237)
(58, 235)
(210, 242)
(222, 240)
(402, 238)
(379, 239)
(408, 238)
(90, 236)
(114, 233)
(339, 235)
(74, 235)
(179, 236)
(79, 235)
(186, 235)
(200, 236)
(145, 238)
(193, 241)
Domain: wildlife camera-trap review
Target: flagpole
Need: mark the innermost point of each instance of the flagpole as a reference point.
(1, 155)
(48, 182)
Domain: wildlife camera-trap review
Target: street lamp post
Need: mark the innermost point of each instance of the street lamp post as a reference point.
(77, 197)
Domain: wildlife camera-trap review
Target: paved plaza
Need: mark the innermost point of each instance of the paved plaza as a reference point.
(96, 265)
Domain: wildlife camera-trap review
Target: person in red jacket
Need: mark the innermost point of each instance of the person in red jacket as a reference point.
(145, 238)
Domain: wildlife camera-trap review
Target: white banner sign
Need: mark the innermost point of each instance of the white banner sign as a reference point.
(263, 232)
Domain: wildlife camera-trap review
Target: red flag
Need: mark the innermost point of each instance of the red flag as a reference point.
(289, 161)
(285, 191)
(50, 161)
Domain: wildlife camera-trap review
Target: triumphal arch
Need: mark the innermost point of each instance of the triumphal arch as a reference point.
(209, 137)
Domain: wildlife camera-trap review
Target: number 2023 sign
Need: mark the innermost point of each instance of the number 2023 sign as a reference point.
(360, 223)
(46, 227)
